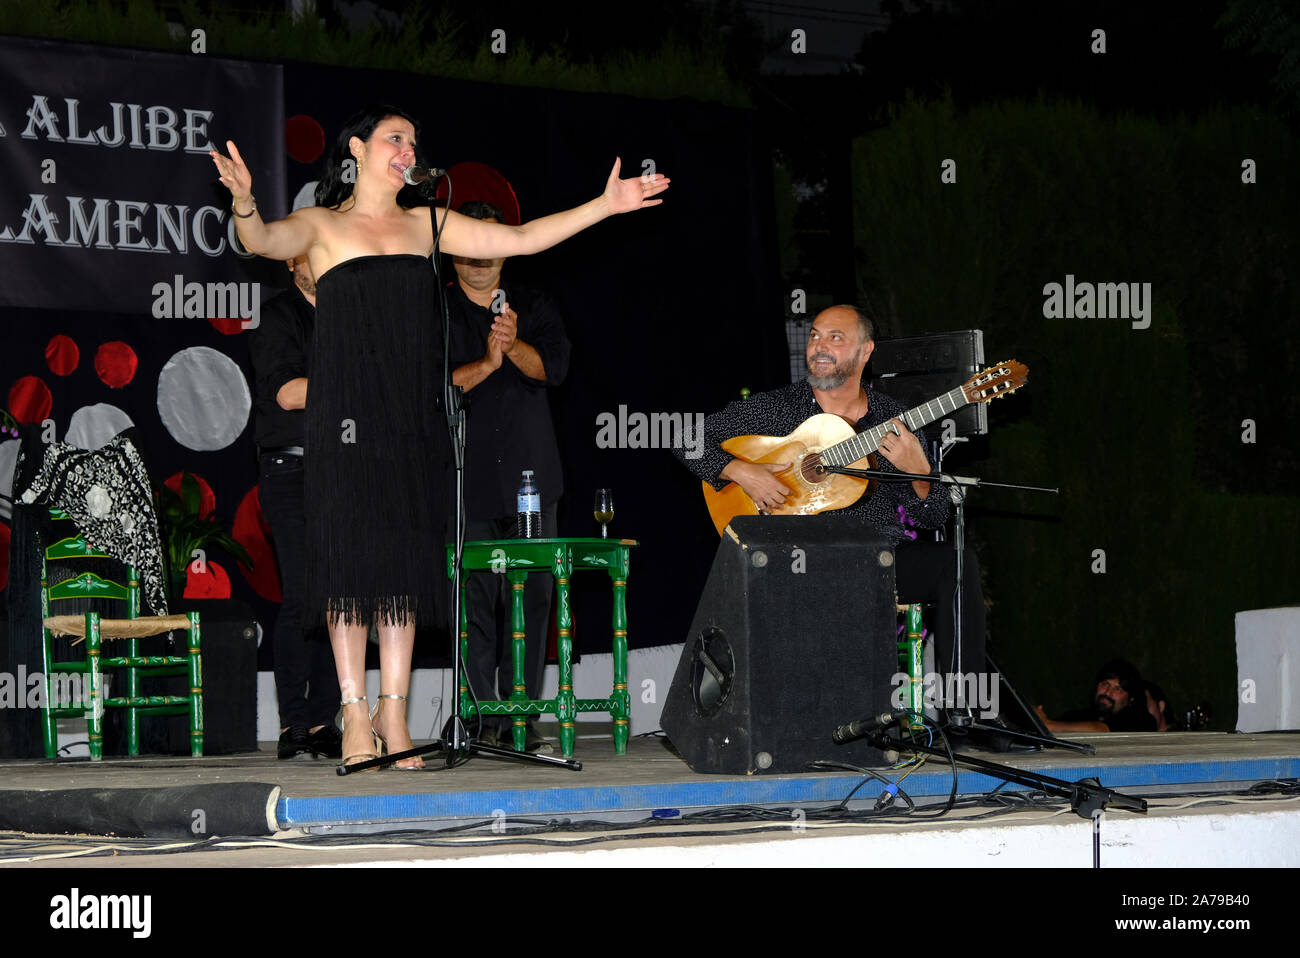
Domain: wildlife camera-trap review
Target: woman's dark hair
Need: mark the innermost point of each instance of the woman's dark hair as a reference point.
(332, 189)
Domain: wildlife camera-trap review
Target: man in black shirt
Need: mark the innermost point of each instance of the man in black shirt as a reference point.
(306, 681)
(840, 342)
(507, 347)
(1119, 704)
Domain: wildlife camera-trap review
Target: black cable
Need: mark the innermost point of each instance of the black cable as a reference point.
(527, 831)
(869, 773)
(533, 826)
(952, 760)
(998, 803)
(529, 837)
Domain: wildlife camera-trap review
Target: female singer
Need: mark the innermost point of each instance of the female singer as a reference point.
(377, 453)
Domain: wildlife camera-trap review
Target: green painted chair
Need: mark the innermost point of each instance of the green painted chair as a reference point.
(516, 559)
(87, 694)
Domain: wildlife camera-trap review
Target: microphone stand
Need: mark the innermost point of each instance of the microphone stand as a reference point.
(959, 715)
(456, 741)
(1086, 795)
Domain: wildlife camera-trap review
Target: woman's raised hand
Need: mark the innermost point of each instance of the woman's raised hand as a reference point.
(633, 193)
(234, 174)
(284, 239)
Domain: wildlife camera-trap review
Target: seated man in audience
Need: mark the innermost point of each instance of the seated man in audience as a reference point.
(1118, 705)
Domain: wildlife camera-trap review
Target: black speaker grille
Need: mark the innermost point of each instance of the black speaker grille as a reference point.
(782, 652)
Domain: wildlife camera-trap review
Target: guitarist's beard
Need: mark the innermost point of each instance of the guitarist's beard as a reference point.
(838, 375)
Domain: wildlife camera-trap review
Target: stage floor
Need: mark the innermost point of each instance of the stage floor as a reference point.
(650, 785)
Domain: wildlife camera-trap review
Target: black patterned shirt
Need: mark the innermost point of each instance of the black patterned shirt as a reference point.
(894, 508)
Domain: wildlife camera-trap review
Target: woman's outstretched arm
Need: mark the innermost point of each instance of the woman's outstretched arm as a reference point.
(466, 236)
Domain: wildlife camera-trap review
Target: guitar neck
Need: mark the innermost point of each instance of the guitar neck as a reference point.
(865, 443)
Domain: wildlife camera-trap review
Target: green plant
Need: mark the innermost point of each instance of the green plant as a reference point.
(184, 531)
(433, 45)
(8, 424)
(1169, 521)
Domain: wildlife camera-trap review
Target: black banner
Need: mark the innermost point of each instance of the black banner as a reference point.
(110, 200)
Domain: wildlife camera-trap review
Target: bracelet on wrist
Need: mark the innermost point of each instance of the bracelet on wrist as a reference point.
(244, 216)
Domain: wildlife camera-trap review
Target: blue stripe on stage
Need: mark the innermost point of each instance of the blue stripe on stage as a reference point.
(707, 791)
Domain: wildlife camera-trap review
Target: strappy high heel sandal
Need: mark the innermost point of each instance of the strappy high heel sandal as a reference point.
(383, 745)
(360, 756)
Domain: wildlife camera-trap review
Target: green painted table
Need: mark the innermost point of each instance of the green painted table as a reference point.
(516, 559)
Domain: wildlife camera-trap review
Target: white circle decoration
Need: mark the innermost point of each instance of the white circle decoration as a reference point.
(92, 426)
(203, 398)
(8, 459)
(306, 196)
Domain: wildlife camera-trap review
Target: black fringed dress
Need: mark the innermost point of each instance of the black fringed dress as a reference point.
(376, 465)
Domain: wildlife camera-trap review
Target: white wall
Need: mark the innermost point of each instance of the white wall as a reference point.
(1268, 669)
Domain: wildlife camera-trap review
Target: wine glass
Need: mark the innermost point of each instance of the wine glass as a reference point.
(604, 510)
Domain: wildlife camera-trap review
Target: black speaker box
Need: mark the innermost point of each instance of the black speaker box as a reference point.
(794, 636)
(916, 369)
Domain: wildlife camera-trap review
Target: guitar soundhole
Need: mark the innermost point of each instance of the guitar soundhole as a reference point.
(810, 466)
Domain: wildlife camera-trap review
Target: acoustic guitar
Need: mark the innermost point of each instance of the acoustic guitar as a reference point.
(828, 440)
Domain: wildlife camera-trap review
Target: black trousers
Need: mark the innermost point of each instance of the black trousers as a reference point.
(488, 662)
(927, 572)
(306, 680)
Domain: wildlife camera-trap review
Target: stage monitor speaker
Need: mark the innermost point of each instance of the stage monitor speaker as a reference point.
(794, 636)
(916, 369)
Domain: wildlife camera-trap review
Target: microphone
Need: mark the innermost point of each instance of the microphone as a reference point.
(865, 726)
(415, 175)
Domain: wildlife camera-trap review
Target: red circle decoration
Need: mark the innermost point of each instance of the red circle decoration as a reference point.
(116, 363)
(30, 400)
(253, 532)
(4, 556)
(62, 355)
(304, 138)
(212, 583)
(478, 181)
(226, 327)
(207, 498)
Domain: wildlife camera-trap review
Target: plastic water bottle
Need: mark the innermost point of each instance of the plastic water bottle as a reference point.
(528, 503)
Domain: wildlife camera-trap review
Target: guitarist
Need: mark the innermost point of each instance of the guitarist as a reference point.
(839, 344)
